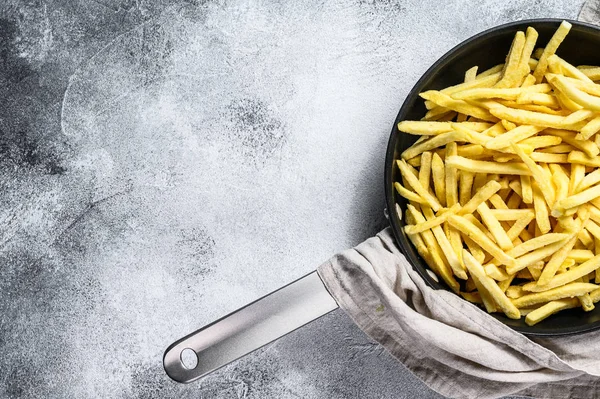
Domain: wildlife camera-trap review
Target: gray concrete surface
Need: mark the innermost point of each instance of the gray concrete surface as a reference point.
(162, 163)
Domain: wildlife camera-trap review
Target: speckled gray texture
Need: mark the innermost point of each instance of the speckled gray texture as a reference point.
(164, 162)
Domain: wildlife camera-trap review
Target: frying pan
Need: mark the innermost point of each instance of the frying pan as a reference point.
(307, 299)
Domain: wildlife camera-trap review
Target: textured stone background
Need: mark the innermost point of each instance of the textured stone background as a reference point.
(164, 162)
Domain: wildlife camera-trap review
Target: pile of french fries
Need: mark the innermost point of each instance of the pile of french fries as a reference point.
(503, 185)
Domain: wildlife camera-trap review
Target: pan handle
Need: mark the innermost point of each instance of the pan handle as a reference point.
(249, 328)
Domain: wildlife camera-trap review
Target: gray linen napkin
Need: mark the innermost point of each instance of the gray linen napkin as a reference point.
(453, 346)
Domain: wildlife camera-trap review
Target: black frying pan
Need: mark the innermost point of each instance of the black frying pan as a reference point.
(582, 46)
(306, 299)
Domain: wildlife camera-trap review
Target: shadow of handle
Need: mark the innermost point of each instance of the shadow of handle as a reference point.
(250, 328)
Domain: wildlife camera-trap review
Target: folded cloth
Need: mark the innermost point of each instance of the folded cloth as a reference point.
(452, 345)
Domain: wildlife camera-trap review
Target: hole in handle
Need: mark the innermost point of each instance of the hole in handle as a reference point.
(189, 358)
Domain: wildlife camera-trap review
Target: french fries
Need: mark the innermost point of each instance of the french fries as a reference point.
(503, 184)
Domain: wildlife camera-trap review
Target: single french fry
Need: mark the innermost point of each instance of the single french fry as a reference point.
(544, 99)
(527, 192)
(469, 229)
(556, 261)
(474, 248)
(519, 227)
(482, 195)
(438, 172)
(536, 243)
(476, 166)
(568, 277)
(578, 157)
(579, 116)
(489, 285)
(580, 198)
(465, 186)
(567, 69)
(472, 297)
(494, 226)
(592, 72)
(432, 143)
(573, 93)
(427, 128)
(549, 309)
(525, 117)
(550, 49)
(495, 272)
(451, 176)
(511, 214)
(460, 106)
(580, 255)
(486, 298)
(431, 223)
(541, 210)
(501, 93)
(566, 291)
(413, 181)
(511, 68)
(541, 141)
(425, 170)
(409, 195)
(591, 128)
(533, 257)
(515, 291)
(538, 175)
(561, 149)
(520, 133)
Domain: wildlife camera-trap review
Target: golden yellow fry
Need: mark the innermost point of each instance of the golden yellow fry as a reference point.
(579, 116)
(475, 249)
(567, 277)
(409, 195)
(469, 229)
(566, 103)
(541, 210)
(486, 298)
(592, 72)
(549, 309)
(544, 99)
(558, 149)
(489, 285)
(495, 272)
(580, 198)
(520, 133)
(549, 158)
(426, 128)
(432, 143)
(514, 201)
(524, 117)
(519, 227)
(579, 157)
(569, 290)
(438, 172)
(573, 93)
(511, 68)
(503, 285)
(494, 226)
(550, 49)
(529, 81)
(481, 81)
(457, 105)
(477, 166)
(538, 175)
(446, 246)
(413, 181)
(555, 261)
(482, 195)
(508, 125)
(531, 36)
(567, 69)
(425, 170)
(593, 229)
(429, 224)
(591, 128)
(533, 257)
(515, 291)
(451, 176)
(541, 109)
(438, 114)
(504, 93)
(526, 190)
(497, 201)
(465, 186)
(536, 243)
(472, 297)
(541, 141)
(580, 255)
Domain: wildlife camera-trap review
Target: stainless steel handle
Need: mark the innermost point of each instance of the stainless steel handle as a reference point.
(250, 328)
